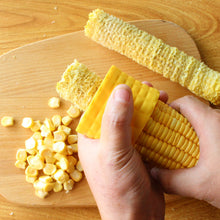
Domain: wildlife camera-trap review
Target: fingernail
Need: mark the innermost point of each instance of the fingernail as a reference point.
(122, 95)
(154, 172)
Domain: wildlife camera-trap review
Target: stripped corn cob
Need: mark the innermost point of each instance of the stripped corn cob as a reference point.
(167, 139)
(153, 53)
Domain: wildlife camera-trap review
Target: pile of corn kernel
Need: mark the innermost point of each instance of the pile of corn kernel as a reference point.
(50, 158)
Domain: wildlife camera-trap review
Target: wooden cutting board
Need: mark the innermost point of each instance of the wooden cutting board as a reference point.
(28, 79)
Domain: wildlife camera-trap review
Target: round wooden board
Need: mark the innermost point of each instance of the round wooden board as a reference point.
(28, 79)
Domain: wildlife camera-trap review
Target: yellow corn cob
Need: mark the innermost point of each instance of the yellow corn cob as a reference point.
(153, 53)
(167, 139)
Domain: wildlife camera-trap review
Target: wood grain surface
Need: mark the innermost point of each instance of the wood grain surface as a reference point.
(22, 22)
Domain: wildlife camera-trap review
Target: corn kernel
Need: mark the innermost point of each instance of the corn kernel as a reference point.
(27, 122)
(54, 102)
(37, 136)
(20, 164)
(29, 158)
(68, 185)
(46, 179)
(76, 175)
(49, 124)
(45, 131)
(57, 187)
(58, 156)
(59, 135)
(30, 179)
(44, 186)
(59, 147)
(30, 145)
(64, 128)
(21, 155)
(41, 194)
(72, 138)
(56, 119)
(36, 126)
(72, 162)
(30, 171)
(48, 141)
(74, 148)
(7, 121)
(37, 162)
(66, 120)
(79, 166)
(49, 169)
(61, 176)
(73, 112)
(69, 150)
(64, 163)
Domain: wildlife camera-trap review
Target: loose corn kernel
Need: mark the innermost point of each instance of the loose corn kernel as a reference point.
(30, 145)
(57, 187)
(36, 126)
(68, 185)
(59, 135)
(66, 120)
(37, 136)
(61, 176)
(44, 186)
(64, 128)
(7, 121)
(27, 122)
(21, 155)
(69, 150)
(31, 179)
(30, 171)
(59, 147)
(48, 141)
(59, 156)
(45, 131)
(49, 124)
(72, 138)
(46, 179)
(54, 102)
(64, 163)
(74, 148)
(76, 175)
(41, 194)
(37, 162)
(73, 112)
(79, 166)
(29, 158)
(20, 164)
(56, 119)
(49, 169)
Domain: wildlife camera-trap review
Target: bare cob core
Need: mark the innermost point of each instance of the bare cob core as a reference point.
(168, 140)
(153, 53)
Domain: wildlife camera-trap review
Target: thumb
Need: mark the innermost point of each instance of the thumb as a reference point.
(184, 182)
(116, 129)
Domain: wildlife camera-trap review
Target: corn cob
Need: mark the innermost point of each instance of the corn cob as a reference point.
(153, 53)
(167, 140)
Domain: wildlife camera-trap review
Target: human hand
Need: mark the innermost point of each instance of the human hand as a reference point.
(202, 181)
(114, 170)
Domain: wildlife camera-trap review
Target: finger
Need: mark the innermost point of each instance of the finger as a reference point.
(163, 95)
(194, 110)
(147, 83)
(184, 182)
(116, 129)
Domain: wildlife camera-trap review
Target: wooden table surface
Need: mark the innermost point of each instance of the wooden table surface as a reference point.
(26, 21)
